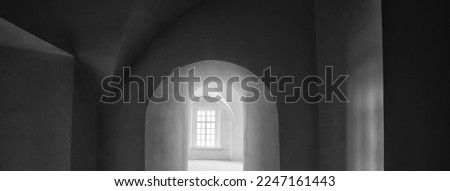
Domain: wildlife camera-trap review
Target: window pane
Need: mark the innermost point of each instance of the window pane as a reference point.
(205, 128)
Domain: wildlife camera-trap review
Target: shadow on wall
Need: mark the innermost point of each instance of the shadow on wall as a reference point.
(167, 125)
(35, 102)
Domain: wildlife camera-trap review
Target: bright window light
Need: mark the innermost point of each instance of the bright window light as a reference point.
(205, 127)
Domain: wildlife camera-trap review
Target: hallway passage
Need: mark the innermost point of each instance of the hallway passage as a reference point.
(215, 165)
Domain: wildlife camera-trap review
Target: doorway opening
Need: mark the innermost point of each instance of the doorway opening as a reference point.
(227, 134)
(216, 133)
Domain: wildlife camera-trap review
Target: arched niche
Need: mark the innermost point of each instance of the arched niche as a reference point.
(167, 132)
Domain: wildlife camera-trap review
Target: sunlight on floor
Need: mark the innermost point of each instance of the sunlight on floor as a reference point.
(215, 165)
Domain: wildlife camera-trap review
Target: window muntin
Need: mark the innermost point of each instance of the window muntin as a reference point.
(206, 134)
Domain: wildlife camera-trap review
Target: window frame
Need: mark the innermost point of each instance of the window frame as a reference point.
(193, 133)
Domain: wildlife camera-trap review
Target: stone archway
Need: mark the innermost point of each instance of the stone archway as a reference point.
(166, 135)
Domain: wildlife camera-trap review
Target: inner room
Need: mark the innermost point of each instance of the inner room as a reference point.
(216, 132)
(216, 136)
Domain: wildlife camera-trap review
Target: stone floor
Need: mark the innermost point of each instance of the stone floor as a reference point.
(215, 165)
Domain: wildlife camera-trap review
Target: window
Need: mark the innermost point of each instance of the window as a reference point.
(205, 131)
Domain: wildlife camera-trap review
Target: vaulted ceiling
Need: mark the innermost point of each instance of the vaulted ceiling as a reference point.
(103, 34)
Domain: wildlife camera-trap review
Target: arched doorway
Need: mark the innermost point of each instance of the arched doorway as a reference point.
(168, 128)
